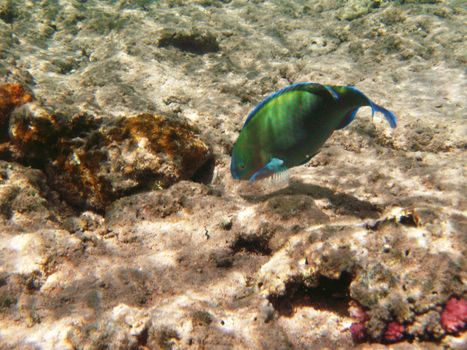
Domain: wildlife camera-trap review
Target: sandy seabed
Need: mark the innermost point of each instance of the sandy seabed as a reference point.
(113, 239)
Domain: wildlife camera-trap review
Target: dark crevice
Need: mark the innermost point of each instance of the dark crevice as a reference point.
(377, 224)
(329, 295)
(205, 173)
(408, 220)
(167, 338)
(252, 244)
(8, 13)
(143, 337)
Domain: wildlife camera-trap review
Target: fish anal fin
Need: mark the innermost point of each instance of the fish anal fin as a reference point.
(348, 118)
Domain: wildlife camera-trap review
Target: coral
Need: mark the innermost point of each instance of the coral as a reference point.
(394, 332)
(357, 312)
(92, 163)
(454, 315)
(11, 96)
(358, 329)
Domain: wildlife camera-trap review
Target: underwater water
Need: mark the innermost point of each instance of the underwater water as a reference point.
(121, 226)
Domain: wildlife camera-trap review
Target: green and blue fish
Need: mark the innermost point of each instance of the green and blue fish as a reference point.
(289, 127)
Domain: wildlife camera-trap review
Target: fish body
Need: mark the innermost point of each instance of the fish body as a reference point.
(289, 127)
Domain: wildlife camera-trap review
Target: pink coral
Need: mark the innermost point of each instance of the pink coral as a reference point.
(394, 332)
(358, 329)
(454, 315)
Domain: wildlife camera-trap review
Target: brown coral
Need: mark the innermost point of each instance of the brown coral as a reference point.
(93, 163)
(11, 96)
(169, 138)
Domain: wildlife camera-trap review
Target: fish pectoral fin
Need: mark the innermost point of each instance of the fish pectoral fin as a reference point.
(274, 166)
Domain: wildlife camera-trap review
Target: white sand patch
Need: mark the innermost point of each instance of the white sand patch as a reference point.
(46, 335)
(164, 259)
(22, 253)
(419, 236)
(246, 215)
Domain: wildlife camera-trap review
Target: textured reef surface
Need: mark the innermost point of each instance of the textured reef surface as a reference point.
(121, 227)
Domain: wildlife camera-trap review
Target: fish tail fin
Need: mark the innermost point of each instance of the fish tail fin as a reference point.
(390, 117)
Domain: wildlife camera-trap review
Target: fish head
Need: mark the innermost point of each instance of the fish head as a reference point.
(238, 167)
(243, 164)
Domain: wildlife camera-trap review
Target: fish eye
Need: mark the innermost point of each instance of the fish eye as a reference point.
(241, 166)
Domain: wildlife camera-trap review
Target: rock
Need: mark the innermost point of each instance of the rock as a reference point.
(144, 151)
(26, 201)
(334, 257)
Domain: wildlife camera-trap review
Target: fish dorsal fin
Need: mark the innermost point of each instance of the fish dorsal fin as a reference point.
(315, 88)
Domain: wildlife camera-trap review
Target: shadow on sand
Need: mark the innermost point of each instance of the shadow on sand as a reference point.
(344, 204)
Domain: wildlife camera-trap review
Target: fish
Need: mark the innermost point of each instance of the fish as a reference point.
(289, 127)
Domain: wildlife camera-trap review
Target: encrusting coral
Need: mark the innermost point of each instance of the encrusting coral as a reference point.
(454, 315)
(11, 96)
(394, 332)
(93, 162)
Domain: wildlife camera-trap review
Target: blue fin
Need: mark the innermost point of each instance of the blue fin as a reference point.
(390, 117)
(307, 86)
(274, 166)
